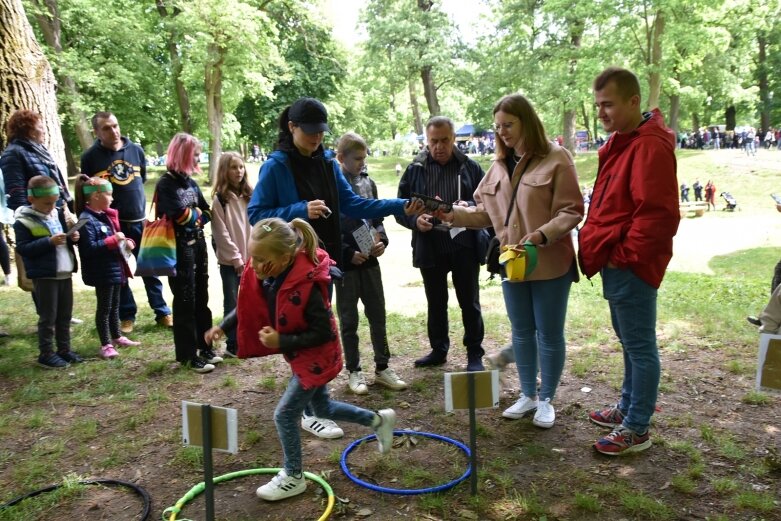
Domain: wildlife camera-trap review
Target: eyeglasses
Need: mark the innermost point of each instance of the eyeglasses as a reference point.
(506, 126)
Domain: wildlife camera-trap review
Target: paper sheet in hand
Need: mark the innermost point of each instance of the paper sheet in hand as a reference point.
(76, 227)
(364, 237)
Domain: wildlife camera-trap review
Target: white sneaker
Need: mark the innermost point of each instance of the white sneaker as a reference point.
(545, 415)
(76, 321)
(390, 379)
(521, 408)
(384, 430)
(321, 427)
(356, 382)
(281, 486)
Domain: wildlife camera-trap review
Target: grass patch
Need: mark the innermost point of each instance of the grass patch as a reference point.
(759, 501)
(587, 503)
(755, 398)
(724, 485)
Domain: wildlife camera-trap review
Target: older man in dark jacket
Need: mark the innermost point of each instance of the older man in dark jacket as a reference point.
(442, 171)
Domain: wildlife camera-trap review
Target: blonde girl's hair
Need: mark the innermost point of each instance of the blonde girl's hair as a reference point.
(532, 131)
(351, 142)
(221, 184)
(80, 201)
(280, 238)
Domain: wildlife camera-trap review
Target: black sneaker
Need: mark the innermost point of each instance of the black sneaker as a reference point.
(52, 361)
(70, 357)
(199, 365)
(210, 356)
(754, 320)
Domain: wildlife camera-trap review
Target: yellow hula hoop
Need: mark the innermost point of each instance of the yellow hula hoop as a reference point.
(174, 511)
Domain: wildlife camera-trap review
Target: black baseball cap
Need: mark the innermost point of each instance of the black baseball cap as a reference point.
(310, 115)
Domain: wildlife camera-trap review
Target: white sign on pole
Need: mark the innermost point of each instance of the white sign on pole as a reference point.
(225, 427)
(457, 390)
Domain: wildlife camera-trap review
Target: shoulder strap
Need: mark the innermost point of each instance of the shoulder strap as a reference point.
(516, 184)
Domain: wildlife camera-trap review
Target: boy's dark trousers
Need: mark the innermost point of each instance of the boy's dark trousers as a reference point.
(54, 300)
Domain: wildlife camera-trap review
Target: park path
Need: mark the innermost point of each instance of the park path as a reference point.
(697, 242)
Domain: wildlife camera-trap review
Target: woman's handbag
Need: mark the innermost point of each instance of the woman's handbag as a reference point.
(157, 253)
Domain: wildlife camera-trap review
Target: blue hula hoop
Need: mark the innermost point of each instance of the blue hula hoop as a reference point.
(408, 492)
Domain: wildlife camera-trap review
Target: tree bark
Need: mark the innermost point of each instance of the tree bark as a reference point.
(675, 111)
(586, 123)
(569, 121)
(26, 78)
(413, 100)
(429, 90)
(730, 117)
(182, 98)
(214, 109)
(654, 74)
(764, 90)
(51, 27)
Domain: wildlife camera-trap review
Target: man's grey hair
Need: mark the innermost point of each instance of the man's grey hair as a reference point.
(441, 121)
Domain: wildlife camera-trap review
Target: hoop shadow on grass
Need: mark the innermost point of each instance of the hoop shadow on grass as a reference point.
(406, 492)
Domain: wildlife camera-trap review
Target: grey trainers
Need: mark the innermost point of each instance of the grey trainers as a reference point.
(389, 378)
(384, 430)
(356, 382)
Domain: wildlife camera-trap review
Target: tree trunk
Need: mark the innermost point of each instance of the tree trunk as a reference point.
(730, 117)
(675, 112)
(182, 98)
(764, 90)
(214, 109)
(584, 113)
(695, 122)
(26, 78)
(569, 121)
(654, 74)
(51, 27)
(413, 100)
(429, 90)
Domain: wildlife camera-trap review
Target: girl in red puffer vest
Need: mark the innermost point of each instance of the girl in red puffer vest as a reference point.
(283, 308)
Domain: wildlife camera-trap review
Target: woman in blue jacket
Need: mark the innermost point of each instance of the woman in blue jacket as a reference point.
(299, 179)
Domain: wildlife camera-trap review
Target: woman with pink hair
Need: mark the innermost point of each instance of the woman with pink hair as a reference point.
(181, 200)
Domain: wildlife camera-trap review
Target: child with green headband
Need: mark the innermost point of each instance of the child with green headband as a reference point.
(104, 267)
(47, 253)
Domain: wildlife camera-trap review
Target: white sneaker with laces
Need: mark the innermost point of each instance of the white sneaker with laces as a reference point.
(356, 382)
(321, 427)
(390, 379)
(281, 486)
(545, 415)
(384, 431)
(521, 408)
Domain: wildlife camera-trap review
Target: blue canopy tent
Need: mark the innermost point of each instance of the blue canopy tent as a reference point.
(466, 130)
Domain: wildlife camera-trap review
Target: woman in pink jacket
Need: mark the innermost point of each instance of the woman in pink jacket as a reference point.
(531, 193)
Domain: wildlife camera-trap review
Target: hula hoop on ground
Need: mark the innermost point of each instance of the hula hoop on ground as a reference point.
(200, 487)
(109, 482)
(408, 492)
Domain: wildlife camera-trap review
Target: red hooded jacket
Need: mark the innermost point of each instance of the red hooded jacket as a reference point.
(633, 215)
(313, 366)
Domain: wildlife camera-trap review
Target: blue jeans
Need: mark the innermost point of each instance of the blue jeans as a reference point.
(230, 290)
(287, 417)
(633, 313)
(153, 286)
(537, 310)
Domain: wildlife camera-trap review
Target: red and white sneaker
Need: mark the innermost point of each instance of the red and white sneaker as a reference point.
(611, 417)
(622, 441)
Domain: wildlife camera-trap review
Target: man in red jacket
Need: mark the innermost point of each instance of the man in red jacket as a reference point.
(628, 239)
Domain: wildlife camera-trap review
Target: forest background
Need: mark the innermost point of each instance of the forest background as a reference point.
(224, 69)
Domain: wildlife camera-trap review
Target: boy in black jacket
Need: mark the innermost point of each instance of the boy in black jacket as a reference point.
(47, 252)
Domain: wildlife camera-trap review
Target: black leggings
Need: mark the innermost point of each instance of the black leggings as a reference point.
(107, 313)
(5, 258)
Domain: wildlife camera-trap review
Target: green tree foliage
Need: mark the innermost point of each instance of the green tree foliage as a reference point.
(312, 64)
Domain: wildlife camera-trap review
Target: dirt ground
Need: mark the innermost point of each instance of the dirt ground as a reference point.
(518, 463)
